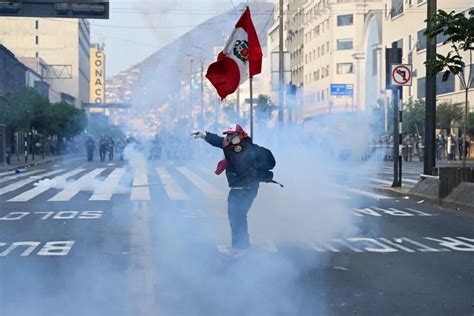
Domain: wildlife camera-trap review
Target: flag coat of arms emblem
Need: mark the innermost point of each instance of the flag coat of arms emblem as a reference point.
(240, 59)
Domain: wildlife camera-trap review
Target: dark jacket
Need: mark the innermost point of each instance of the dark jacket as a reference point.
(241, 171)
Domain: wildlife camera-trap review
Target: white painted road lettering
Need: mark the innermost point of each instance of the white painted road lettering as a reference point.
(388, 245)
(379, 212)
(380, 247)
(453, 244)
(50, 248)
(62, 215)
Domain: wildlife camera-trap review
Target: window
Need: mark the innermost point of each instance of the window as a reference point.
(314, 76)
(346, 19)
(322, 50)
(343, 44)
(37, 24)
(442, 87)
(37, 54)
(421, 40)
(397, 8)
(345, 68)
(327, 47)
(319, 51)
(37, 40)
(322, 95)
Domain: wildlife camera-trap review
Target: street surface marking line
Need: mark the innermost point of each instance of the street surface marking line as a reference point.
(20, 175)
(173, 190)
(364, 193)
(30, 194)
(201, 184)
(112, 179)
(16, 185)
(70, 191)
(140, 191)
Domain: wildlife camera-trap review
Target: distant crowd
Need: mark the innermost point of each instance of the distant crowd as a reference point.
(447, 147)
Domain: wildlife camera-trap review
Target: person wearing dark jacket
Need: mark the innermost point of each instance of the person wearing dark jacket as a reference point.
(241, 172)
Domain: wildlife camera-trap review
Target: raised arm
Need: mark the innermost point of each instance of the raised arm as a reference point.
(214, 140)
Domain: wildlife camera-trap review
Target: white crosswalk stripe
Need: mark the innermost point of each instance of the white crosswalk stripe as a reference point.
(18, 184)
(20, 175)
(70, 191)
(111, 181)
(31, 194)
(362, 192)
(209, 190)
(173, 190)
(140, 189)
(173, 186)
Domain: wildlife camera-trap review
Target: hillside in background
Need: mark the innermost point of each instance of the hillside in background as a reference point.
(158, 78)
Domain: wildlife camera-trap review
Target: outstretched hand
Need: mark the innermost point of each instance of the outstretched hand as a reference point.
(198, 134)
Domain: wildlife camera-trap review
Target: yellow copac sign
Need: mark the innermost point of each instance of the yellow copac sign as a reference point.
(97, 87)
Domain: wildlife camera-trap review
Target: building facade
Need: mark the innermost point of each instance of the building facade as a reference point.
(403, 24)
(62, 43)
(334, 44)
(12, 73)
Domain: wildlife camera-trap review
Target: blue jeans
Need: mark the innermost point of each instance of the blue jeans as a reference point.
(239, 203)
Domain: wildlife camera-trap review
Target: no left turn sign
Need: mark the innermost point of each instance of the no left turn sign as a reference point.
(402, 75)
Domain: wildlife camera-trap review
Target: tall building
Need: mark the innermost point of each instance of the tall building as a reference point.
(334, 44)
(295, 40)
(62, 43)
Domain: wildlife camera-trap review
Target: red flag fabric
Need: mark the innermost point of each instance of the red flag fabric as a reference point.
(240, 59)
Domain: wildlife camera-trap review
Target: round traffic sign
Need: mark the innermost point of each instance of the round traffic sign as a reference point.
(401, 74)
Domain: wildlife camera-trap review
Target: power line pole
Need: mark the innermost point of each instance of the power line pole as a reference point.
(430, 109)
(281, 74)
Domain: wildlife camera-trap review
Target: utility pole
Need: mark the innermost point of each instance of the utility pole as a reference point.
(281, 74)
(430, 109)
(394, 56)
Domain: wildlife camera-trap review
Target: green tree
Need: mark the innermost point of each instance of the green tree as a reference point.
(458, 28)
(449, 115)
(66, 120)
(470, 124)
(414, 117)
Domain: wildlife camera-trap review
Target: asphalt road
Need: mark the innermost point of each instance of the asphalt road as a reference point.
(104, 240)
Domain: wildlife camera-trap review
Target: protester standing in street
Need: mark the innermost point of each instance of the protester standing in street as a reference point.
(244, 164)
(111, 148)
(103, 143)
(90, 147)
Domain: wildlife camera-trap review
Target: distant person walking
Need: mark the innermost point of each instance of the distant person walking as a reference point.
(111, 148)
(103, 144)
(90, 147)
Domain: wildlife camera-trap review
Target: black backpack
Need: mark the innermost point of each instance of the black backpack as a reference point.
(264, 162)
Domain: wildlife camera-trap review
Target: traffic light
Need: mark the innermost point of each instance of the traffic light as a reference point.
(80, 9)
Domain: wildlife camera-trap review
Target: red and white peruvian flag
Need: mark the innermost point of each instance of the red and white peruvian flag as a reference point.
(240, 59)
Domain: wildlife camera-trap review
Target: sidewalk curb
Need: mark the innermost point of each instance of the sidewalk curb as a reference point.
(36, 163)
(448, 206)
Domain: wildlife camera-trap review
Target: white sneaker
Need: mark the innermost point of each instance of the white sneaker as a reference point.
(232, 252)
